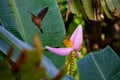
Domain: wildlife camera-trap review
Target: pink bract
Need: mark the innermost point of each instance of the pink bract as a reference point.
(76, 40)
(60, 51)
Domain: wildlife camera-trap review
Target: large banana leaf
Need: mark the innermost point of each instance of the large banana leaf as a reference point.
(100, 65)
(14, 13)
(52, 24)
(6, 19)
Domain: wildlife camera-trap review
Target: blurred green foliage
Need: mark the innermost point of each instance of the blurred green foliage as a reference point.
(100, 21)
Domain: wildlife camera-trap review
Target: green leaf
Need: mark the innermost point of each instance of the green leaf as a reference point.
(7, 20)
(52, 24)
(99, 65)
(76, 8)
(110, 5)
(105, 8)
(84, 6)
(93, 9)
(87, 4)
(73, 6)
(56, 59)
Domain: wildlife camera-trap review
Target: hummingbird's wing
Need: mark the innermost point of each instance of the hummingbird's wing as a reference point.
(42, 13)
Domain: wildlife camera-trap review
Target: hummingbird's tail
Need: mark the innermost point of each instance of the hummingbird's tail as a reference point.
(41, 31)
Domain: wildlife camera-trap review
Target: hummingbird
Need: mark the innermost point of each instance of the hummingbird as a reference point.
(37, 19)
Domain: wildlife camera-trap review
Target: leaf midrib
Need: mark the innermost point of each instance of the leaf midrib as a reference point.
(17, 18)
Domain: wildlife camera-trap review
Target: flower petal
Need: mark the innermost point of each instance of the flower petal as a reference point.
(77, 38)
(77, 54)
(60, 51)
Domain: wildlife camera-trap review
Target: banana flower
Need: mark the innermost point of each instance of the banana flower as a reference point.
(73, 44)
